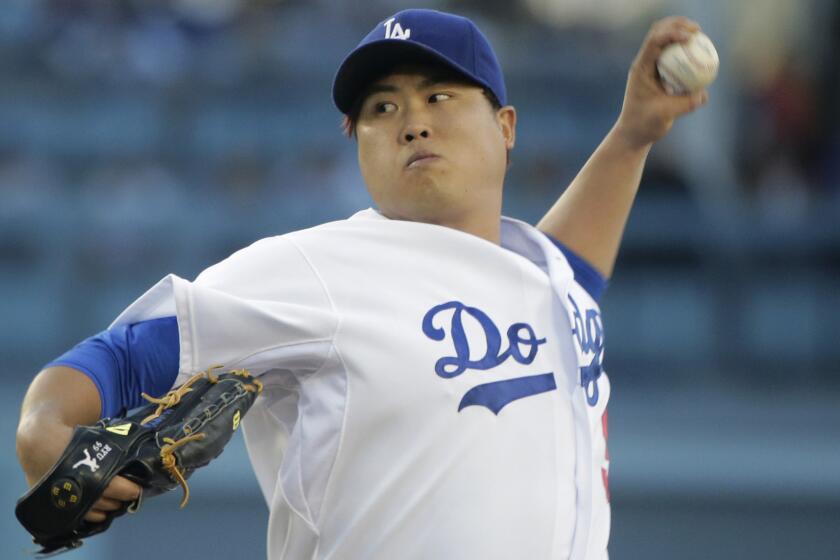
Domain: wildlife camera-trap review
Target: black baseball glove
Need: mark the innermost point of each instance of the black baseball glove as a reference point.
(158, 447)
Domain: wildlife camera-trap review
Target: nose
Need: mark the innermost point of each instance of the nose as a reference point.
(416, 124)
(413, 132)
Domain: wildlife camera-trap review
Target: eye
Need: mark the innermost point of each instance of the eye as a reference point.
(385, 107)
(435, 97)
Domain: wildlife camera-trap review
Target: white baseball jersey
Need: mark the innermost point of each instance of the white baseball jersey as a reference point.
(428, 394)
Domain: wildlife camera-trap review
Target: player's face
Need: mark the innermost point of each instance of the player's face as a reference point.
(431, 147)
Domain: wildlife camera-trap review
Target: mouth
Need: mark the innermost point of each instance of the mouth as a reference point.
(419, 158)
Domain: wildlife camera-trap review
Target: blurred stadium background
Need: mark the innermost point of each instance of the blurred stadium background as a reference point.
(141, 137)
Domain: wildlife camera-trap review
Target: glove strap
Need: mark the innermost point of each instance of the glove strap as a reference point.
(53, 510)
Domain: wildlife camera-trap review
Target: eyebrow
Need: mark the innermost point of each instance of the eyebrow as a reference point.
(378, 88)
(428, 82)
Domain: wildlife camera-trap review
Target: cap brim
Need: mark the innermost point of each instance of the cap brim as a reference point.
(373, 60)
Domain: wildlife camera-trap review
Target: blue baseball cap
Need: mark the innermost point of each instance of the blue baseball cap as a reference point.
(423, 36)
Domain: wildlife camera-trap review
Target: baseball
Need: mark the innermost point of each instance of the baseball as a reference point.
(688, 67)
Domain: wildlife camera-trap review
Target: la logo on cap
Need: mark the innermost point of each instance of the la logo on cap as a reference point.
(397, 32)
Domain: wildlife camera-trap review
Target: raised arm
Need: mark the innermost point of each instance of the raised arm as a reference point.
(590, 216)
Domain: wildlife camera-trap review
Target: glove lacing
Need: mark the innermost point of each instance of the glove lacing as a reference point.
(170, 462)
(172, 398)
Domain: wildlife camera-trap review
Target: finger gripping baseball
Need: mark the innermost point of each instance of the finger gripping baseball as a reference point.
(158, 447)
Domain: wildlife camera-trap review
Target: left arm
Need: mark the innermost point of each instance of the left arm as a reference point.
(589, 217)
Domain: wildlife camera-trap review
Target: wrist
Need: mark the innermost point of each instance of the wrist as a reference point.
(623, 139)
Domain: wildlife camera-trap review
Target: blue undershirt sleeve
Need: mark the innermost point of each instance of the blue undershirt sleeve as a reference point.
(585, 274)
(126, 361)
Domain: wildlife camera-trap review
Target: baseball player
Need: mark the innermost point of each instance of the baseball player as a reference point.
(432, 371)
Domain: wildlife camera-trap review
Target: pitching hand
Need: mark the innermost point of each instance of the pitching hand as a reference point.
(648, 111)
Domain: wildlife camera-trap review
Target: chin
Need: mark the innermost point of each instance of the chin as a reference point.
(423, 197)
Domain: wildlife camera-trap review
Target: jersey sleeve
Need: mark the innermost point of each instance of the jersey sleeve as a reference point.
(128, 360)
(585, 274)
(263, 308)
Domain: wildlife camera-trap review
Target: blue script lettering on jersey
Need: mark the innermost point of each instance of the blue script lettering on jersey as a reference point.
(522, 346)
(453, 366)
(497, 394)
(589, 332)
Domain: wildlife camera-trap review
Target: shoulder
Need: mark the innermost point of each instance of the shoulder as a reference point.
(260, 258)
(284, 263)
(536, 245)
(272, 253)
(586, 275)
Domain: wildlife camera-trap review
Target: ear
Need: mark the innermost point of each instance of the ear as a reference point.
(506, 117)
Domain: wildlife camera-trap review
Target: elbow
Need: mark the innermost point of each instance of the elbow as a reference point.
(39, 441)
